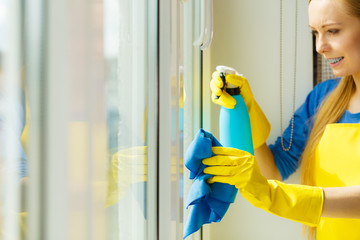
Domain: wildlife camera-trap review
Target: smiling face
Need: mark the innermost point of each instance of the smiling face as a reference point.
(337, 35)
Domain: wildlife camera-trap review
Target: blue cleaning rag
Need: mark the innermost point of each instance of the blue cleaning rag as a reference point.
(209, 202)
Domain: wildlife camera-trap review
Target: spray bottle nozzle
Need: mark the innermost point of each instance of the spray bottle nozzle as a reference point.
(222, 76)
(230, 89)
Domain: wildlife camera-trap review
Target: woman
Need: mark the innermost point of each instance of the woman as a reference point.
(324, 137)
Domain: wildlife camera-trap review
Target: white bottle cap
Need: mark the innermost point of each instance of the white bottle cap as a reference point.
(227, 70)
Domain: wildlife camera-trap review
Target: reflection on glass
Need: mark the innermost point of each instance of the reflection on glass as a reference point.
(126, 39)
(130, 40)
(13, 127)
(177, 119)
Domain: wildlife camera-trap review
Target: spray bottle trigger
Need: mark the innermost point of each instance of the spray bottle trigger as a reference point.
(222, 76)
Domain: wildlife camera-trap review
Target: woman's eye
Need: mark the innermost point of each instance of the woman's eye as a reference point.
(333, 31)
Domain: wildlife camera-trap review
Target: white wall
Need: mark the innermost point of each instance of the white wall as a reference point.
(246, 37)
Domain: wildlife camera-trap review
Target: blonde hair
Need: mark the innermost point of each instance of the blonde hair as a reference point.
(331, 110)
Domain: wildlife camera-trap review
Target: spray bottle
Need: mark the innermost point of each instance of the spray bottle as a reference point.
(234, 124)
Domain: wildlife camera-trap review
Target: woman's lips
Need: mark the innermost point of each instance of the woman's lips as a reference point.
(334, 62)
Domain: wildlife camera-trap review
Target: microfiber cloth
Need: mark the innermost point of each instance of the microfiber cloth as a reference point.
(209, 202)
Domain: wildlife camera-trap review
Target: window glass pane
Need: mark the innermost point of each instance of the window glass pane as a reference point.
(65, 85)
(176, 120)
(13, 117)
(191, 88)
(129, 42)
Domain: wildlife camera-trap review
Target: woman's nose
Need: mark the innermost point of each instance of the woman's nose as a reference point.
(322, 45)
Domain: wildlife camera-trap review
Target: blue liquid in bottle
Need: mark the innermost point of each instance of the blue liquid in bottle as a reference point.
(234, 125)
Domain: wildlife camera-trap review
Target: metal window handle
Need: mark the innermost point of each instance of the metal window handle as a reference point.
(208, 31)
(200, 39)
(206, 12)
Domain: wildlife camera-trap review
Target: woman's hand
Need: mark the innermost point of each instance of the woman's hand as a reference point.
(239, 168)
(128, 166)
(260, 126)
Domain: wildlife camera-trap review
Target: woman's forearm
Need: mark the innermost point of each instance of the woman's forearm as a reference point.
(265, 159)
(339, 202)
(342, 202)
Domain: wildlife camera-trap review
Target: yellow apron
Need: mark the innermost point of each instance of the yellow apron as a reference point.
(337, 164)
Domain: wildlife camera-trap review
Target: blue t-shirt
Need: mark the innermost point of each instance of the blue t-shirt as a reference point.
(288, 162)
